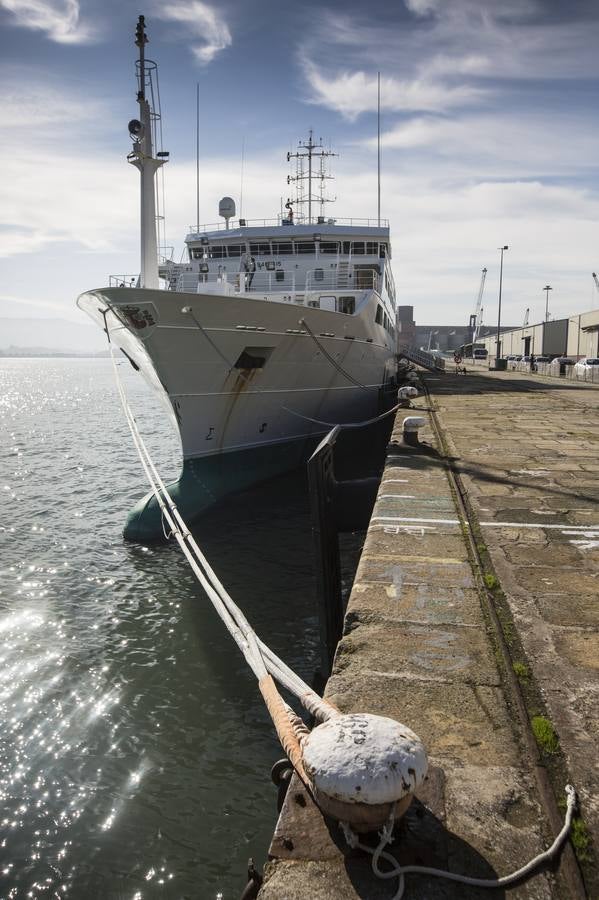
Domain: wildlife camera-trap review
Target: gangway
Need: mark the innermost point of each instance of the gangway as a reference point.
(429, 361)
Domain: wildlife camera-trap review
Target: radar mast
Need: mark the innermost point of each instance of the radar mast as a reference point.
(305, 172)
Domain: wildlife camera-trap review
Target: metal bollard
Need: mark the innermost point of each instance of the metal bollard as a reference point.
(411, 426)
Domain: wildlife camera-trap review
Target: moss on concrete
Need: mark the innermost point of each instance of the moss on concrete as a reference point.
(520, 670)
(545, 735)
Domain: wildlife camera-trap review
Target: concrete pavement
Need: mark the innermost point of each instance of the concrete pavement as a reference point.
(467, 633)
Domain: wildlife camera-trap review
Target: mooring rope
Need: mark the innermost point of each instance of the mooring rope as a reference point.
(188, 311)
(261, 658)
(334, 362)
(346, 424)
(399, 871)
(267, 666)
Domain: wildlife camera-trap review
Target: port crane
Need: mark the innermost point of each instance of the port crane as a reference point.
(596, 280)
(476, 320)
(526, 315)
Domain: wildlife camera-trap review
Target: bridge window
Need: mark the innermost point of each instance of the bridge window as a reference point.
(260, 249)
(347, 305)
(357, 248)
(196, 253)
(305, 247)
(217, 252)
(236, 249)
(283, 248)
(329, 247)
(372, 248)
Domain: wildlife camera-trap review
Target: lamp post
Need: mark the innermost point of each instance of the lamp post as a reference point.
(547, 288)
(497, 342)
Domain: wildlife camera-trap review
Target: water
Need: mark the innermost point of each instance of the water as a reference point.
(135, 750)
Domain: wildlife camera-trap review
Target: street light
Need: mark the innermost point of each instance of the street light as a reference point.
(497, 342)
(547, 288)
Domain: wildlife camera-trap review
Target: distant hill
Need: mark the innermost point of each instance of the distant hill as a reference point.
(49, 337)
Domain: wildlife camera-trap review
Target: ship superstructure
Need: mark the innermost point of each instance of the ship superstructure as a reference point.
(265, 331)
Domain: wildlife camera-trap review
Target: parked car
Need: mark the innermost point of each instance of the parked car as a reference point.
(588, 364)
(543, 359)
(562, 361)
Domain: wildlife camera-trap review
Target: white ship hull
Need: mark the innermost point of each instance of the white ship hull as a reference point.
(249, 386)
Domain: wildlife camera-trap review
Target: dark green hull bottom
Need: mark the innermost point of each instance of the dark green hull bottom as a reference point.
(205, 480)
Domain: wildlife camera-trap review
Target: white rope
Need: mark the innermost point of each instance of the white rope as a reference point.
(260, 657)
(398, 871)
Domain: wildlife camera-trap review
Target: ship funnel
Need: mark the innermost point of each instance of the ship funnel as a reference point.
(226, 209)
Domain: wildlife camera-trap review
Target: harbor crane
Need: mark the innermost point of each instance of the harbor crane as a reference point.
(526, 315)
(596, 280)
(476, 320)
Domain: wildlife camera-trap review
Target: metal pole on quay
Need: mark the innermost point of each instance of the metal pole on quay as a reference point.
(547, 288)
(498, 342)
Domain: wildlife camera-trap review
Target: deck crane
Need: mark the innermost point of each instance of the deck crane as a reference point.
(477, 320)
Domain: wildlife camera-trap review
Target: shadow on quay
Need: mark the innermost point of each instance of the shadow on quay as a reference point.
(420, 839)
(473, 383)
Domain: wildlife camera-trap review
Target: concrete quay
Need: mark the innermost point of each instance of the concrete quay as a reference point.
(473, 620)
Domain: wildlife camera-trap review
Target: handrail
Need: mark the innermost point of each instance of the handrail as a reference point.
(283, 222)
(127, 281)
(313, 281)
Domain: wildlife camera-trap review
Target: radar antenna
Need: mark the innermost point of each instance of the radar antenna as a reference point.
(304, 172)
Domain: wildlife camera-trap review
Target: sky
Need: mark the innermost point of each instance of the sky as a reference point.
(489, 130)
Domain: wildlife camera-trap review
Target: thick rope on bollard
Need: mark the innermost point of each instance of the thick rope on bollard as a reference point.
(361, 769)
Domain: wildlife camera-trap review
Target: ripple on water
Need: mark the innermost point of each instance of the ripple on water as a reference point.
(136, 757)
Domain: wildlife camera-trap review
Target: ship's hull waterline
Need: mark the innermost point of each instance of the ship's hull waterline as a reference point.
(248, 387)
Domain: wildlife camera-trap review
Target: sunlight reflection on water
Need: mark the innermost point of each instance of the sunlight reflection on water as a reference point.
(135, 757)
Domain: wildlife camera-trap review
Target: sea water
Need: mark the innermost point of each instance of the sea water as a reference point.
(135, 749)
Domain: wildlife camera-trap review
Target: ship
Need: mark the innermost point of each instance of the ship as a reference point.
(262, 336)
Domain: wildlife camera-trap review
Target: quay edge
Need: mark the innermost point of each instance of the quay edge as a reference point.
(417, 647)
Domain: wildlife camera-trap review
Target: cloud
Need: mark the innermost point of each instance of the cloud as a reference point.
(353, 93)
(204, 23)
(38, 209)
(39, 104)
(442, 56)
(59, 19)
(473, 145)
(423, 7)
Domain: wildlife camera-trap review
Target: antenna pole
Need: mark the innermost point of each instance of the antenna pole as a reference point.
(241, 186)
(198, 156)
(379, 147)
(310, 147)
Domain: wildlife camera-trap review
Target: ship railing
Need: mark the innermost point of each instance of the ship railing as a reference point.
(314, 281)
(128, 281)
(284, 221)
(354, 279)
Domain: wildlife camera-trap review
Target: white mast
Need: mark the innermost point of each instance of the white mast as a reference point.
(141, 157)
